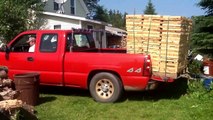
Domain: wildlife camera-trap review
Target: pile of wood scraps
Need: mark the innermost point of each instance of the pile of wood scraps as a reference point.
(7, 90)
(10, 107)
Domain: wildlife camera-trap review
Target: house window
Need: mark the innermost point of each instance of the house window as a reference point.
(57, 27)
(56, 7)
(89, 27)
(72, 7)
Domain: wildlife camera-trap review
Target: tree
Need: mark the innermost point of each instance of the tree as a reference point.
(202, 37)
(150, 9)
(92, 5)
(117, 19)
(101, 14)
(206, 5)
(97, 12)
(17, 16)
(202, 34)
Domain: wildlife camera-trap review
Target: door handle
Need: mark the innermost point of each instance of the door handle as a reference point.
(30, 59)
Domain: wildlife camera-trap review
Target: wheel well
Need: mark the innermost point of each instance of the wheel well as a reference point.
(92, 73)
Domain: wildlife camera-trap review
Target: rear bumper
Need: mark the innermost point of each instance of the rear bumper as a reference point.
(162, 79)
(135, 83)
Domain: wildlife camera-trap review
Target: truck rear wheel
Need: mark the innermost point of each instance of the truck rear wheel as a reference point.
(105, 87)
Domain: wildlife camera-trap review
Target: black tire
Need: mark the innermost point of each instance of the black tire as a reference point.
(105, 87)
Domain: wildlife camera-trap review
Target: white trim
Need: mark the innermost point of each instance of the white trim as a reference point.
(75, 18)
(80, 23)
(75, 7)
(116, 31)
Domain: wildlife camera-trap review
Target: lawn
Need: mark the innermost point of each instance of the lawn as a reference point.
(168, 102)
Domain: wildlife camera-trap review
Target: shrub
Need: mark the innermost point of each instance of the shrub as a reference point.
(195, 68)
(196, 89)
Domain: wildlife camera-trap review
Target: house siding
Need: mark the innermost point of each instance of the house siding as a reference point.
(79, 10)
(65, 23)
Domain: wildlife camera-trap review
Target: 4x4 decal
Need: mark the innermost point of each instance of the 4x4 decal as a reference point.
(137, 70)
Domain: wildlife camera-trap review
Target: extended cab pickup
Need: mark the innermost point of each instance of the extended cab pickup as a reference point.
(70, 58)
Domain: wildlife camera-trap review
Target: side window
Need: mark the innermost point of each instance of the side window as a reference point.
(81, 40)
(49, 43)
(21, 44)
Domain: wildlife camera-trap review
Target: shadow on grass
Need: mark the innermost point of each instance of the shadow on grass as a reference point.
(67, 91)
(46, 99)
(58, 90)
(164, 91)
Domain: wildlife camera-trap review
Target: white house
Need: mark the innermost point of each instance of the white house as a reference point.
(68, 14)
(68, 7)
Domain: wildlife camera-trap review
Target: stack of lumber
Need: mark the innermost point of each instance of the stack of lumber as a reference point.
(165, 38)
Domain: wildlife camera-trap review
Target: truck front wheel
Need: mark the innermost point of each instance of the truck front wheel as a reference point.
(105, 87)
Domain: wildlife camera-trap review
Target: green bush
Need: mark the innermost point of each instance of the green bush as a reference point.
(195, 68)
(196, 89)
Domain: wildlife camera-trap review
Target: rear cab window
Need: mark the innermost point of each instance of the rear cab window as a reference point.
(79, 42)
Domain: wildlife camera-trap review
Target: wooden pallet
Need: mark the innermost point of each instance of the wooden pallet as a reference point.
(165, 38)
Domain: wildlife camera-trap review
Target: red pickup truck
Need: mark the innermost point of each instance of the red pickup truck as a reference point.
(70, 58)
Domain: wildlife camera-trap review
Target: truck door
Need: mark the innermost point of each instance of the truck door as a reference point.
(75, 61)
(19, 60)
(49, 59)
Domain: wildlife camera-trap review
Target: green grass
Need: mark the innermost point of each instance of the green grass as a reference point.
(169, 102)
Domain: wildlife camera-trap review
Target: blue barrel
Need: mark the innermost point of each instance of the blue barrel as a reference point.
(207, 83)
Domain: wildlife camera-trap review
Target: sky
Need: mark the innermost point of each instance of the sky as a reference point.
(185, 8)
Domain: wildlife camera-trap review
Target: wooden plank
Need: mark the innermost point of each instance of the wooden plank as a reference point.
(155, 17)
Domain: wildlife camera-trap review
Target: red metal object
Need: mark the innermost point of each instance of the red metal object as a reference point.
(73, 69)
(162, 79)
(209, 64)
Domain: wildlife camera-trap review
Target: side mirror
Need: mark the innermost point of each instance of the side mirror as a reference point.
(7, 49)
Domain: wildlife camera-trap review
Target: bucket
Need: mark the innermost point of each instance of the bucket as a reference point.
(28, 85)
(208, 63)
(207, 83)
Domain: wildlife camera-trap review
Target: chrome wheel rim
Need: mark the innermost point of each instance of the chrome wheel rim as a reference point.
(104, 88)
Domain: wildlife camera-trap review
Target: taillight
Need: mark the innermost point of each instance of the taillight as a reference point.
(147, 66)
